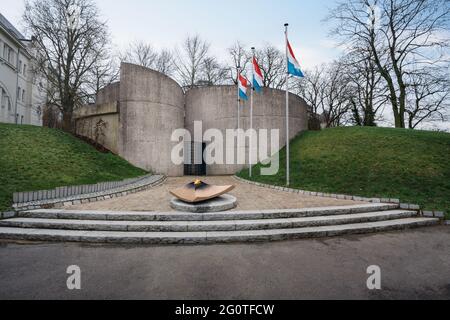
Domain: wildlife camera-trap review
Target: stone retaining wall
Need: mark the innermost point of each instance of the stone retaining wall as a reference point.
(83, 194)
(100, 123)
(405, 206)
(7, 215)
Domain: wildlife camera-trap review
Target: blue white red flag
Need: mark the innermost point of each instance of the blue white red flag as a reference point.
(293, 65)
(243, 85)
(257, 76)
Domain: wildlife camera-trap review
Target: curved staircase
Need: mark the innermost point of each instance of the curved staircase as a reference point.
(223, 227)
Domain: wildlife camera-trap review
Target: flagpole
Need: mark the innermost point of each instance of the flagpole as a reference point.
(288, 155)
(251, 115)
(238, 112)
(238, 100)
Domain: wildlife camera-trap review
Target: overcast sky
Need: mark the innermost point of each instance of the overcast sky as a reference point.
(254, 22)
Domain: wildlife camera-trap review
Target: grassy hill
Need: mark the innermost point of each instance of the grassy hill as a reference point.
(33, 158)
(413, 166)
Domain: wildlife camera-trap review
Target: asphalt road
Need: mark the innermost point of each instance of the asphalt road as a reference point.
(414, 265)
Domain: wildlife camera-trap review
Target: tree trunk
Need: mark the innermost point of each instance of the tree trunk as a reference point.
(355, 111)
(369, 119)
(398, 120)
(67, 121)
(67, 111)
(369, 116)
(67, 124)
(402, 105)
(410, 121)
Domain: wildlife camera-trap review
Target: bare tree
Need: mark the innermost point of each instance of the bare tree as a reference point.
(212, 72)
(70, 38)
(401, 35)
(140, 53)
(312, 89)
(105, 71)
(273, 66)
(326, 89)
(165, 63)
(190, 59)
(239, 58)
(337, 94)
(143, 54)
(367, 91)
(429, 97)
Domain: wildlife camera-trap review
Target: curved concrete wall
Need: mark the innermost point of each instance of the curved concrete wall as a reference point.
(217, 107)
(108, 94)
(106, 110)
(151, 108)
(142, 111)
(87, 119)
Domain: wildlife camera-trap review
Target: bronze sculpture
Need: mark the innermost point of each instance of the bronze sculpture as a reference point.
(199, 191)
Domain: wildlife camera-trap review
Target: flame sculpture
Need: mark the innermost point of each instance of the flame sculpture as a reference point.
(199, 191)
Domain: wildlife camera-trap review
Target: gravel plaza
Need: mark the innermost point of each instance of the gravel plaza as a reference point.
(249, 198)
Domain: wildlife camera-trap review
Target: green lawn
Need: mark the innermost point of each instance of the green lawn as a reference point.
(413, 166)
(33, 158)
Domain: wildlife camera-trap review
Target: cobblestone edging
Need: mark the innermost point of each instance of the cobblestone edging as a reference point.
(7, 215)
(407, 206)
(72, 191)
(115, 190)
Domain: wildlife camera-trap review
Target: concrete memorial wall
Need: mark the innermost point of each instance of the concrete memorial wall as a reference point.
(106, 109)
(216, 107)
(140, 113)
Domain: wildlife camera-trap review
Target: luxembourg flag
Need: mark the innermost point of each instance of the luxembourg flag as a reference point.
(293, 65)
(243, 85)
(257, 76)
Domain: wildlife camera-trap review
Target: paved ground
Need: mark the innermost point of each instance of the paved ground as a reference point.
(415, 265)
(249, 197)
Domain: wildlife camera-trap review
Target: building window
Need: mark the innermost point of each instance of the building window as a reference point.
(20, 66)
(8, 54)
(23, 95)
(18, 93)
(12, 57)
(5, 100)
(5, 51)
(24, 69)
(3, 97)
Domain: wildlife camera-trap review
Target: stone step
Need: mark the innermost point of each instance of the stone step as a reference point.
(210, 237)
(220, 216)
(189, 226)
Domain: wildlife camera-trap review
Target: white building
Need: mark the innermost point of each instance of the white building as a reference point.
(23, 94)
